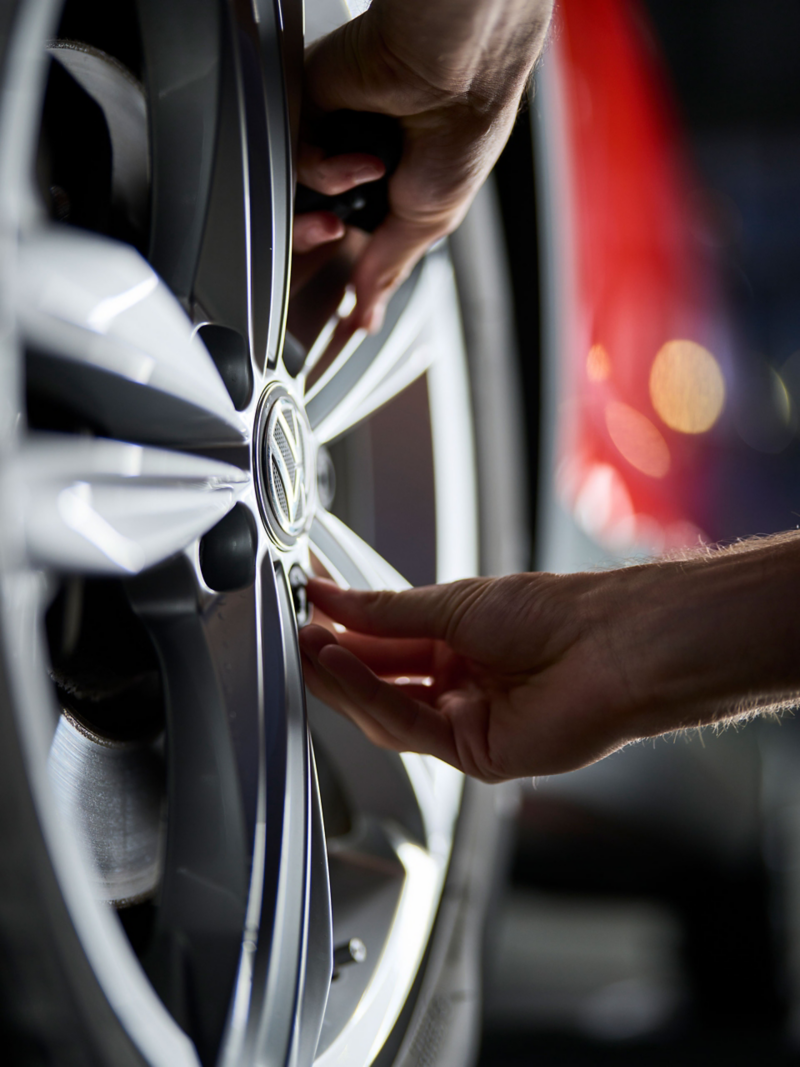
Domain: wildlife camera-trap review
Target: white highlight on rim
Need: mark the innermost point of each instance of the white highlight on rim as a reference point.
(438, 788)
(377, 1011)
(25, 64)
(96, 506)
(350, 560)
(388, 373)
(353, 343)
(97, 303)
(107, 310)
(451, 429)
(75, 508)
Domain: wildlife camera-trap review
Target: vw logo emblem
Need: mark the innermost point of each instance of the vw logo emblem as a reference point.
(288, 466)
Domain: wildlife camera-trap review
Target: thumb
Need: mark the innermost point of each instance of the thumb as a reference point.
(387, 261)
(333, 73)
(432, 611)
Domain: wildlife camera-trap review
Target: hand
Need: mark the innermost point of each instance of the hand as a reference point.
(539, 673)
(453, 73)
(522, 677)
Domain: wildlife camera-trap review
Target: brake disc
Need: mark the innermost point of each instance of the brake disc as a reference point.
(122, 100)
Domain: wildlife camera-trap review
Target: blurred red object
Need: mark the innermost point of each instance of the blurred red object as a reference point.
(642, 345)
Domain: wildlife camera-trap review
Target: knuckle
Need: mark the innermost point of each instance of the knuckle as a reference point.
(460, 600)
(376, 602)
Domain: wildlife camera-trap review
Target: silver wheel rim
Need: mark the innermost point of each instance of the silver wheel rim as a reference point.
(180, 456)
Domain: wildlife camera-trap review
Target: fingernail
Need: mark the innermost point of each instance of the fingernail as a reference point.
(376, 317)
(322, 232)
(368, 173)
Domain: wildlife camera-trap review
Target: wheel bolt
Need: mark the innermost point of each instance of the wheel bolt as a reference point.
(297, 581)
(326, 477)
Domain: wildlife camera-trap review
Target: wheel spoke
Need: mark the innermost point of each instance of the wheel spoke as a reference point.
(276, 52)
(108, 339)
(351, 561)
(102, 507)
(223, 282)
(269, 989)
(394, 856)
(194, 956)
(181, 43)
(221, 163)
(364, 376)
(318, 963)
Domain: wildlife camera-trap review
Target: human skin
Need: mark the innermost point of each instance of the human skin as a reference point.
(536, 674)
(453, 73)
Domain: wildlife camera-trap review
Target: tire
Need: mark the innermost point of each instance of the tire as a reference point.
(196, 857)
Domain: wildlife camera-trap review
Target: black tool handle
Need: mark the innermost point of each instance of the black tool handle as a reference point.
(343, 132)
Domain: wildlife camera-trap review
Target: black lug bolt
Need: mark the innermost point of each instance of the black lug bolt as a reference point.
(326, 477)
(297, 581)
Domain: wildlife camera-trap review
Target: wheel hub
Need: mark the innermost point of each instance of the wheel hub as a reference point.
(286, 465)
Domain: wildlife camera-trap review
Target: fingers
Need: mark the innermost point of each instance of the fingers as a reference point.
(388, 657)
(429, 612)
(336, 174)
(314, 638)
(392, 657)
(381, 709)
(315, 229)
(326, 687)
(400, 717)
(395, 249)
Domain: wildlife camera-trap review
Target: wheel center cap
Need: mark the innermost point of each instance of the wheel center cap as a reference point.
(287, 465)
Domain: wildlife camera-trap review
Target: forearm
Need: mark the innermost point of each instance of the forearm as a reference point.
(712, 637)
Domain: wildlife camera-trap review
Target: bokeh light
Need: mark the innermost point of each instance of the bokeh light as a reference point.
(637, 439)
(598, 365)
(686, 387)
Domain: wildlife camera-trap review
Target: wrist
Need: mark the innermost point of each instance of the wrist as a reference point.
(711, 637)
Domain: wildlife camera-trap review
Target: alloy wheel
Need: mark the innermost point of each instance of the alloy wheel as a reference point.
(167, 487)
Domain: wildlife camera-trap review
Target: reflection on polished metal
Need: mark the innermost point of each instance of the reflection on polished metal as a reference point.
(287, 464)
